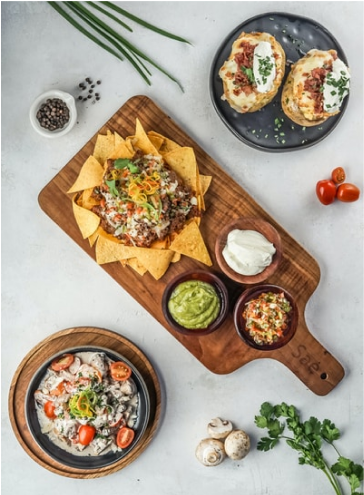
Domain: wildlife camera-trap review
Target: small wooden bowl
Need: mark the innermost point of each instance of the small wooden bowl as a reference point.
(220, 289)
(249, 223)
(240, 323)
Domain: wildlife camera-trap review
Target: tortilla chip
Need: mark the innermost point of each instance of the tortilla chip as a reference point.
(190, 243)
(167, 144)
(93, 237)
(136, 265)
(183, 161)
(108, 251)
(156, 261)
(87, 201)
(161, 244)
(143, 142)
(90, 175)
(200, 198)
(157, 141)
(104, 146)
(122, 150)
(87, 221)
(205, 182)
(176, 257)
(118, 139)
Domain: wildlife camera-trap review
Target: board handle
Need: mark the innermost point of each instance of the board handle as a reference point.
(314, 365)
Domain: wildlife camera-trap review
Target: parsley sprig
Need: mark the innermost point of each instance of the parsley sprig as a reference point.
(308, 439)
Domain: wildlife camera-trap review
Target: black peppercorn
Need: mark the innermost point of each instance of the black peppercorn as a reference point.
(53, 114)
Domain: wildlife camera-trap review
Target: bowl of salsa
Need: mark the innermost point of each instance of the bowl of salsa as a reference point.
(195, 303)
(266, 317)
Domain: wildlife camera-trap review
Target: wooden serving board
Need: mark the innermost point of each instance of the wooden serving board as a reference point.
(222, 351)
(74, 337)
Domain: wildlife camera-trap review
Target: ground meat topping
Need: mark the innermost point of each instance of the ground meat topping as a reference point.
(142, 200)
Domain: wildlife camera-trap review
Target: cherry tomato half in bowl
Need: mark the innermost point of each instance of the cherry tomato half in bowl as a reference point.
(86, 434)
(124, 437)
(120, 371)
(326, 191)
(347, 193)
(62, 362)
(49, 410)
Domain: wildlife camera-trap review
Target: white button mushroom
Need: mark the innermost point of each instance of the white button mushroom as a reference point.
(237, 444)
(219, 428)
(210, 452)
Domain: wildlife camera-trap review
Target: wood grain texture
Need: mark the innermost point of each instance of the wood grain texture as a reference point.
(223, 351)
(73, 337)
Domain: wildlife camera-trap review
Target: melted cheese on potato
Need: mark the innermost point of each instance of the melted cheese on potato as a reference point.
(299, 103)
(255, 96)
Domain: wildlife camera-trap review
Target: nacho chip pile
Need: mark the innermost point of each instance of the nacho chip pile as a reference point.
(108, 248)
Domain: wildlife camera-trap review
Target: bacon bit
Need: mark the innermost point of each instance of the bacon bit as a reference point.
(313, 85)
(244, 59)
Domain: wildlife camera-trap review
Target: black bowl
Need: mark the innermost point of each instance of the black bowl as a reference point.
(240, 323)
(67, 458)
(203, 276)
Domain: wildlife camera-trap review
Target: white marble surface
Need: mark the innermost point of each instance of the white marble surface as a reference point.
(48, 283)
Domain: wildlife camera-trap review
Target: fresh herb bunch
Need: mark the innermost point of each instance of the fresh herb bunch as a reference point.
(308, 439)
(82, 18)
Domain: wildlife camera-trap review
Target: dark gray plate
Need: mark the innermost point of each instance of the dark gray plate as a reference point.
(86, 462)
(270, 129)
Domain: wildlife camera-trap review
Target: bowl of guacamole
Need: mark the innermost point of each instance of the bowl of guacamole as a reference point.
(195, 303)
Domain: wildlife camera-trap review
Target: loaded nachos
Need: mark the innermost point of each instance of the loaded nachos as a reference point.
(139, 200)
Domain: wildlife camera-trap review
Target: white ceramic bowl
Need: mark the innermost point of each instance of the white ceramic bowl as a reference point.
(70, 102)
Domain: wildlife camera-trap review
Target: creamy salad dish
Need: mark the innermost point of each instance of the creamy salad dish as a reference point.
(88, 404)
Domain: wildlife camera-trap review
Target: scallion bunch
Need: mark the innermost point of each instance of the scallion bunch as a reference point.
(82, 18)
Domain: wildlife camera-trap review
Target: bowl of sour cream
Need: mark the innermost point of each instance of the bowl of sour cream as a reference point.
(248, 250)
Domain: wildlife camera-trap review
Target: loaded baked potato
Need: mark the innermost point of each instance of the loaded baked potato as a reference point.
(253, 72)
(315, 88)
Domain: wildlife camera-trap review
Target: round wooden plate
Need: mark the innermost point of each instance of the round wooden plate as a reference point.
(73, 337)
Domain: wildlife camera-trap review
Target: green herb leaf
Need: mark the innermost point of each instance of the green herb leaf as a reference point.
(112, 187)
(249, 74)
(309, 438)
(266, 443)
(329, 431)
(121, 163)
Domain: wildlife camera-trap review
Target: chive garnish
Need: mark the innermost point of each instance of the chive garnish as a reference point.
(100, 32)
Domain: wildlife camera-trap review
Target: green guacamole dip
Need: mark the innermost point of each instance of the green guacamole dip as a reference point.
(194, 304)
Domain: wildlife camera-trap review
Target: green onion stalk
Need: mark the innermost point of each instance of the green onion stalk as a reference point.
(93, 27)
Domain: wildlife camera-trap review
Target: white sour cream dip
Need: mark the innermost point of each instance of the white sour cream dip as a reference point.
(248, 252)
(336, 86)
(264, 67)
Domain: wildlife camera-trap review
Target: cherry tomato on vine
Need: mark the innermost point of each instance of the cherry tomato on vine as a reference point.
(124, 437)
(49, 409)
(338, 175)
(326, 191)
(347, 193)
(86, 434)
(62, 362)
(120, 371)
